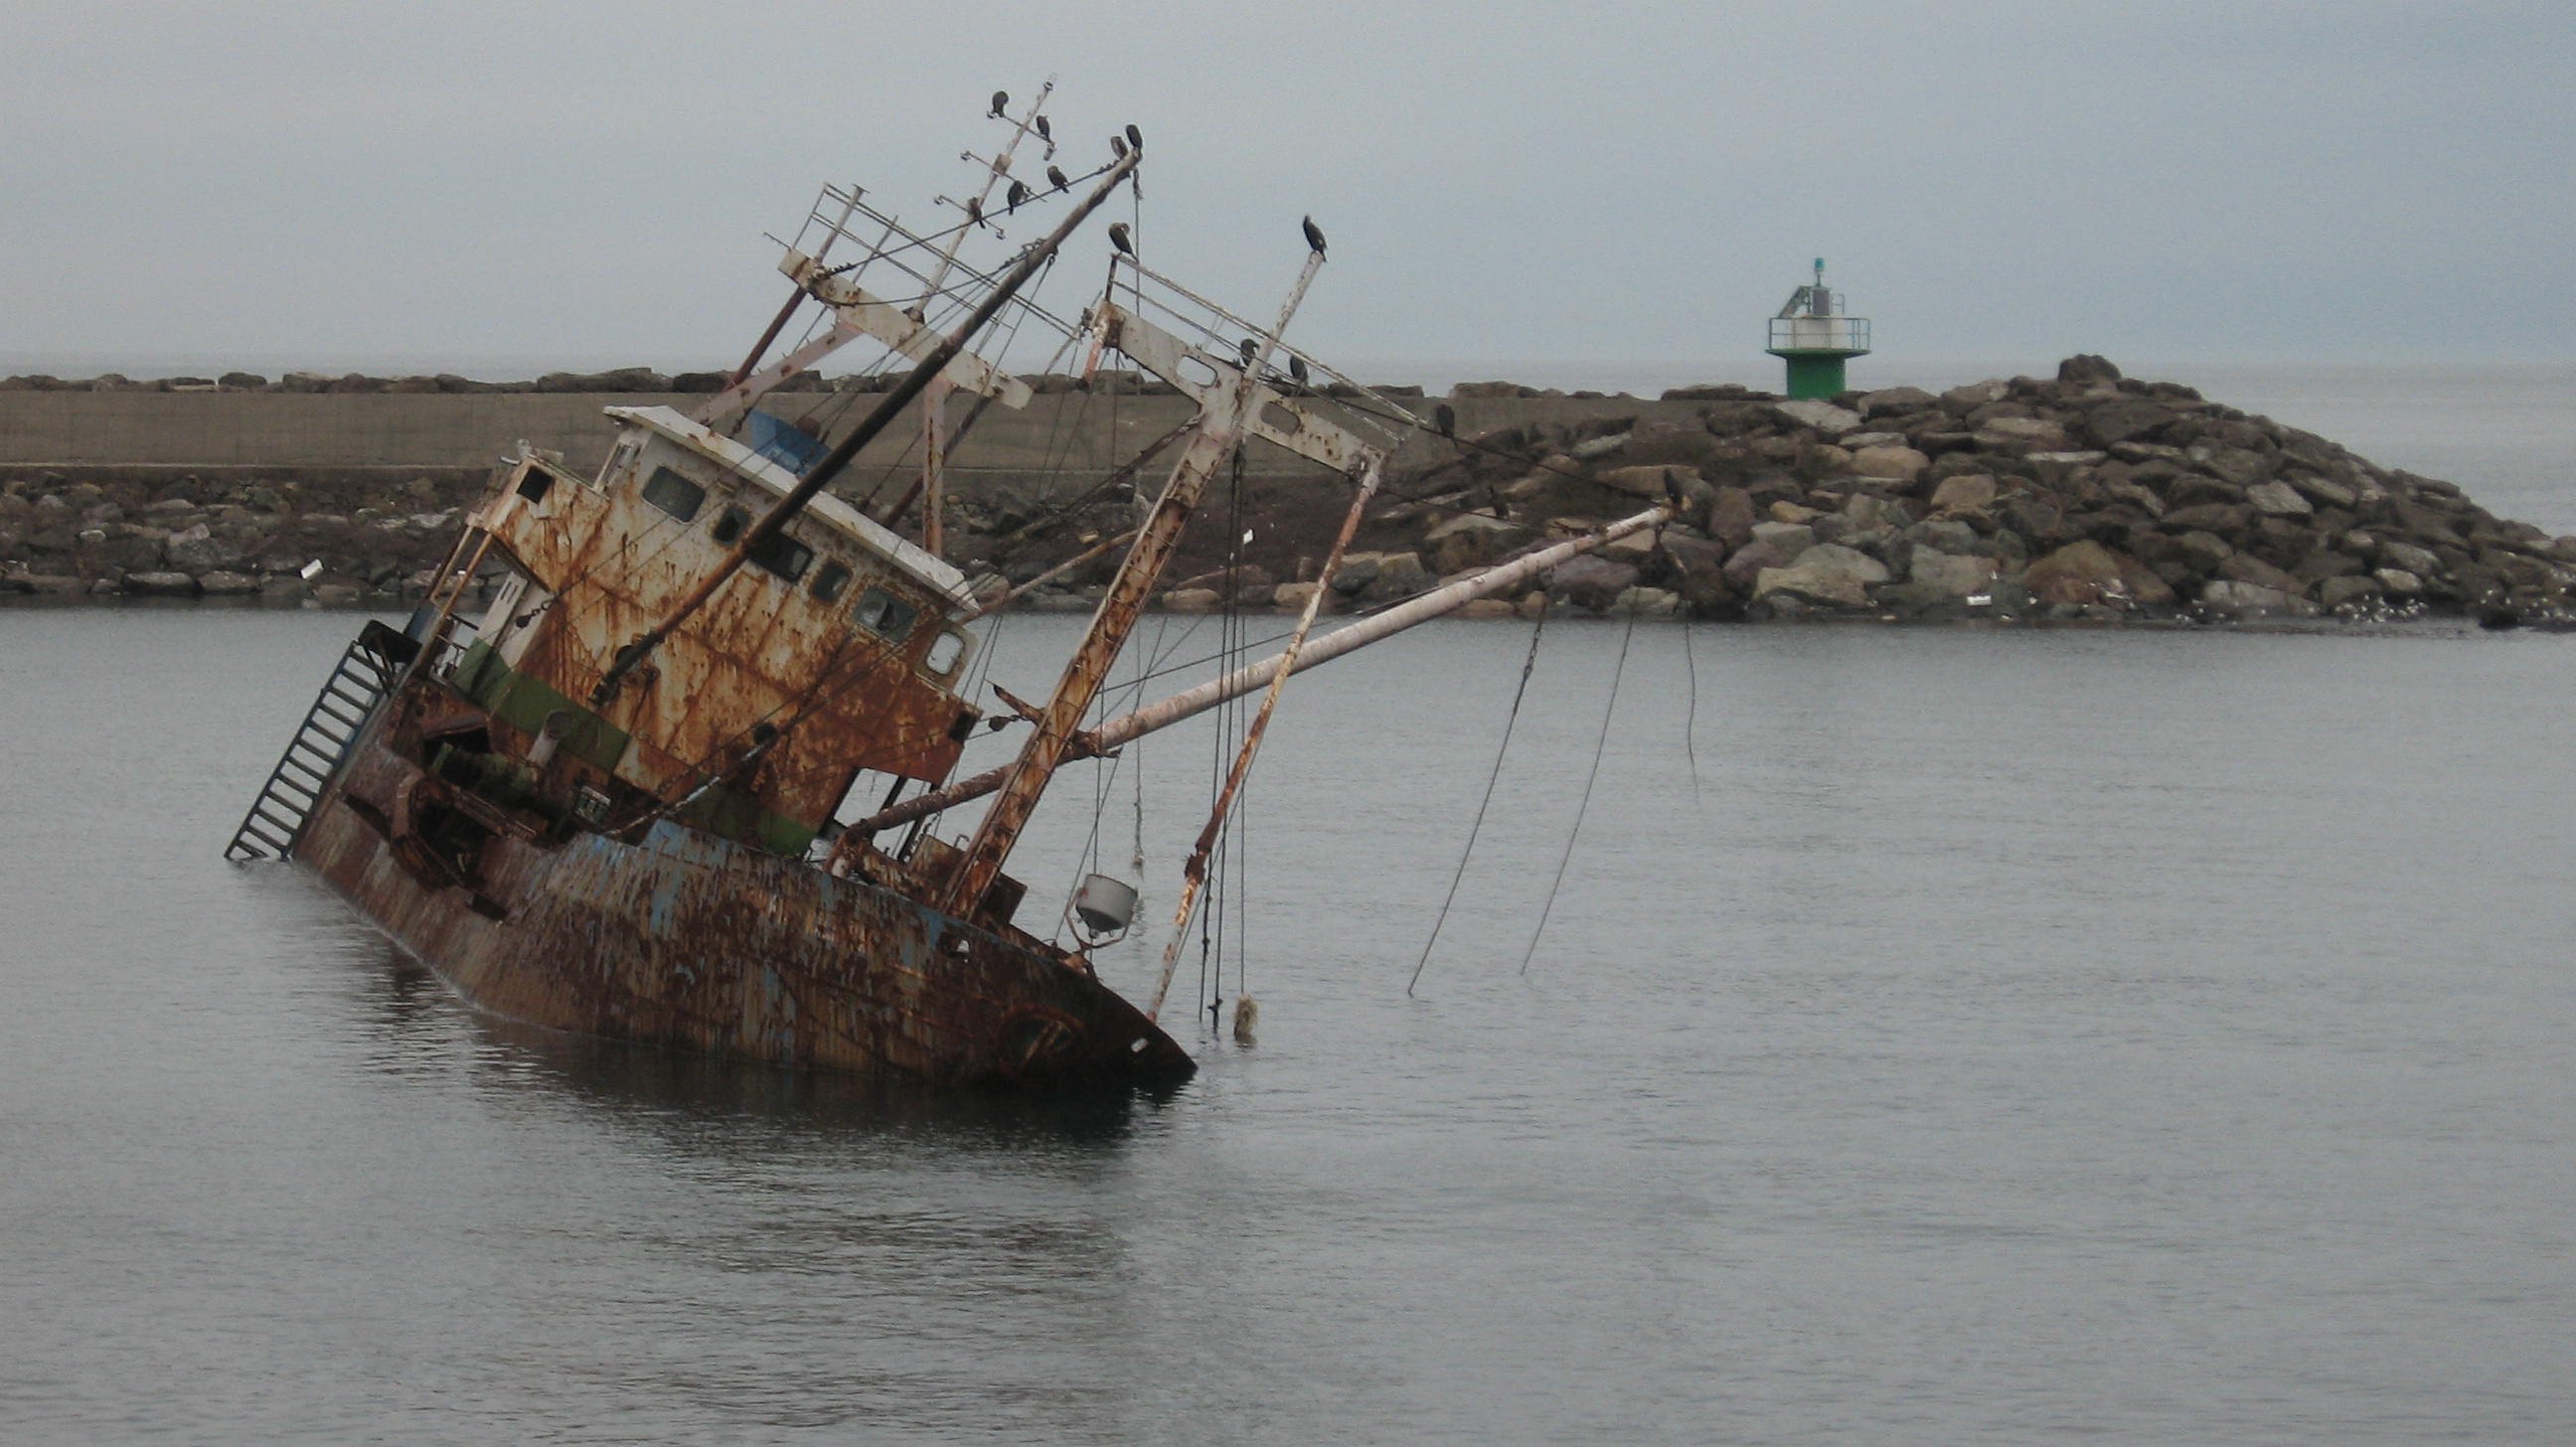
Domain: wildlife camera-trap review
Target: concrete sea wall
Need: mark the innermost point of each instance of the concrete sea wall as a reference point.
(136, 428)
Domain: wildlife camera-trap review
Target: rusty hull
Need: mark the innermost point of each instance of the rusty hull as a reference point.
(687, 940)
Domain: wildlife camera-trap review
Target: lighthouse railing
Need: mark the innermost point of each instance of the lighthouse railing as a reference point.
(1820, 334)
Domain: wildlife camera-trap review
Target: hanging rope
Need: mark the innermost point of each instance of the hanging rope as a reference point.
(1690, 715)
(1137, 862)
(1600, 746)
(1105, 773)
(1529, 664)
(1242, 905)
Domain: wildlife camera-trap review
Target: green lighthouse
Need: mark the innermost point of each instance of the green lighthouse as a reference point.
(1813, 336)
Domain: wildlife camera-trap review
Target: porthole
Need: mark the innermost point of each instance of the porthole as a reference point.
(783, 555)
(830, 580)
(885, 615)
(729, 525)
(945, 652)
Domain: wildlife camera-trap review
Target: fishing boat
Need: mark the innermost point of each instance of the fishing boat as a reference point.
(597, 782)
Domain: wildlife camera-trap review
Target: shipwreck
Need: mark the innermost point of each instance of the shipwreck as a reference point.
(598, 782)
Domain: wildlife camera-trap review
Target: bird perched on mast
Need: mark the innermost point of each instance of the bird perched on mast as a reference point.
(1057, 178)
(1118, 238)
(1001, 98)
(1018, 193)
(1314, 236)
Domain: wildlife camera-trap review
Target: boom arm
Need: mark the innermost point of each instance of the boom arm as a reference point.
(1127, 728)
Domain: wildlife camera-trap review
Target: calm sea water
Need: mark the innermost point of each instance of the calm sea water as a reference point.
(1939, 1035)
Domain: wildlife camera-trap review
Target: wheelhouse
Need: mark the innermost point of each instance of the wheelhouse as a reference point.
(837, 651)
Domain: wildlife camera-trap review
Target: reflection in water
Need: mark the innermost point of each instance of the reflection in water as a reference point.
(677, 1242)
(626, 1078)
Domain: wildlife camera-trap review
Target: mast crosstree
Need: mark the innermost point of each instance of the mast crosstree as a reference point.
(933, 366)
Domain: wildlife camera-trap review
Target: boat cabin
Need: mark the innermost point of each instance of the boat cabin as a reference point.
(837, 648)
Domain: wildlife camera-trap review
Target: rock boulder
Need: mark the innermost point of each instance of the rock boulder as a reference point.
(1824, 417)
(1592, 583)
(1826, 573)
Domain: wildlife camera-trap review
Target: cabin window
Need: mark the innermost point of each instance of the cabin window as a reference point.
(945, 651)
(729, 525)
(535, 483)
(674, 494)
(783, 555)
(829, 580)
(885, 615)
(620, 459)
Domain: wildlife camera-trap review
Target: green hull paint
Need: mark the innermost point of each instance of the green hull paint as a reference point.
(524, 702)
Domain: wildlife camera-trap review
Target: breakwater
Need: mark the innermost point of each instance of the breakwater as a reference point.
(2084, 496)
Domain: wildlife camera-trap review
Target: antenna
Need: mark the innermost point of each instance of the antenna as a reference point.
(994, 170)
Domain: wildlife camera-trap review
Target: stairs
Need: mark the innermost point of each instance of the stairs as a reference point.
(349, 697)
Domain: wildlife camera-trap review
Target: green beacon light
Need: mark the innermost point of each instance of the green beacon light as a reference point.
(1815, 338)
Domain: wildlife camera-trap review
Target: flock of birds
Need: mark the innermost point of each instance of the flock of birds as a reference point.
(1120, 237)
(1019, 192)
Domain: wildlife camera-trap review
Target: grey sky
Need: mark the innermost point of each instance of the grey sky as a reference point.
(453, 182)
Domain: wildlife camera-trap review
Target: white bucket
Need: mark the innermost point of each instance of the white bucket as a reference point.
(1104, 905)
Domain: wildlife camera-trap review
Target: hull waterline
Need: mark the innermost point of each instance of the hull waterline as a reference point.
(686, 940)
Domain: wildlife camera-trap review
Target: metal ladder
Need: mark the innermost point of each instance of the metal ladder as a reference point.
(349, 697)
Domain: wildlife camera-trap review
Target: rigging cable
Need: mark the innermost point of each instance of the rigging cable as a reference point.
(1617, 671)
(1239, 818)
(1396, 496)
(1212, 913)
(1529, 664)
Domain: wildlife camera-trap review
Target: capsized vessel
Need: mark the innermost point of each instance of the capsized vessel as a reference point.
(609, 801)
